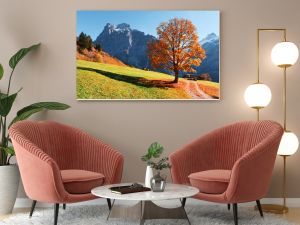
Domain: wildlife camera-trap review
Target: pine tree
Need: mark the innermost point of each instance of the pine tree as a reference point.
(84, 42)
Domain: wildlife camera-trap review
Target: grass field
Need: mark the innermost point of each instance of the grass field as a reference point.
(107, 81)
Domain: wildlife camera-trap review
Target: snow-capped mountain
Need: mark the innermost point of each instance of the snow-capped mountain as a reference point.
(128, 45)
(210, 64)
(212, 37)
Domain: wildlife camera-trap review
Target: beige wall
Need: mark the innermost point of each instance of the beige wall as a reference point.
(130, 126)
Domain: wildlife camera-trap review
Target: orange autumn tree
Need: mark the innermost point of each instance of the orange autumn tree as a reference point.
(177, 48)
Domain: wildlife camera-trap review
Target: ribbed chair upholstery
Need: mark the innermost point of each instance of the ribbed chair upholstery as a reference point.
(232, 164)
(52, 157)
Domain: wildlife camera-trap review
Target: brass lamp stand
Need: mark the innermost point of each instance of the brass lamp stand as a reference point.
(272, 208)
(278, 209)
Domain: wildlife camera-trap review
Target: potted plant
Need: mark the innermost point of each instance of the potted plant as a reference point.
(9, 173)
(157, 182)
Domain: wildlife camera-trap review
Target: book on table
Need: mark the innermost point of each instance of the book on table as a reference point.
(129, 189)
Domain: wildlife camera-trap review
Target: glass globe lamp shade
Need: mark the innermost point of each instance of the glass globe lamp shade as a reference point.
(289, 144)
(284, 54)
(258, 95)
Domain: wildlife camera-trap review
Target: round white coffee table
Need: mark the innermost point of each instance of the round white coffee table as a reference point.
(145, 209)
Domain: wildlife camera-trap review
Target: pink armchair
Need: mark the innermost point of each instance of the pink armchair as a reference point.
(231, 165)
(60, 164)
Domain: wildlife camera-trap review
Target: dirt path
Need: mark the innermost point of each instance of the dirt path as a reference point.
(192, 88)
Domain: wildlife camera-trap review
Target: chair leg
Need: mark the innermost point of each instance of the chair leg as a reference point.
(32, 208)
(235, 213)
(64, 206)
(56, 209)
(183, 202)
(228, 206)
(108, 203)
(259, 208)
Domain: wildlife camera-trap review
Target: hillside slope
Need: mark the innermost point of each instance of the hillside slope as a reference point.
(96, 56)
(107, 81)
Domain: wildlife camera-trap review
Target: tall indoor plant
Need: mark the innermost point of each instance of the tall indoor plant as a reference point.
(9, 174)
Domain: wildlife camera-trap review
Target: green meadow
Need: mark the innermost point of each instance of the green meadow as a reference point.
(107, 81)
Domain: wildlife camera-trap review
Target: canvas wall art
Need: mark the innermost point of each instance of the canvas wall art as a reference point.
(148, 55)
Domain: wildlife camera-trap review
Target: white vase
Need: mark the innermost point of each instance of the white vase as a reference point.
(148, 176)
(9, 183)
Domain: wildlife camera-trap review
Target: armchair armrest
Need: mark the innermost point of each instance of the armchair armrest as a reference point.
(193, 157)
(99, 157)
(40, 174)
(251, 174)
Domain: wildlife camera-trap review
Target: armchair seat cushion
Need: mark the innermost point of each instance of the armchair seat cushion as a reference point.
(81, 181)
(211, 181)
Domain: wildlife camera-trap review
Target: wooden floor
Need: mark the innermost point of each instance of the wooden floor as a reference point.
(293, 215)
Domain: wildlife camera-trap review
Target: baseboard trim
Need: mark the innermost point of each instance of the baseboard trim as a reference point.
(291, 202)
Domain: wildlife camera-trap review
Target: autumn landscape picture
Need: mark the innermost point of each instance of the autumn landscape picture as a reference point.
(134, 55)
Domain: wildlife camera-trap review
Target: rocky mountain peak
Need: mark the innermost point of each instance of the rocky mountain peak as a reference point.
(123, 26)
(209, 38)
(126, 44)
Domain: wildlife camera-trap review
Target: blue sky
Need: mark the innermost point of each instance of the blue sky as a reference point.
(93, 22)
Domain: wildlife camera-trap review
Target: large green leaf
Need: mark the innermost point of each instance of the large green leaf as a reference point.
(44, 105)
(16, 58)
(25, 115)
(155, 150)
(27, 111)
(1, 71)
(2, 95)
(6, 103)
(9, 150)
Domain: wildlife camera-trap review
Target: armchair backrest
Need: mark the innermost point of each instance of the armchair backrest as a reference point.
(56, 140)
(67, 147)
(223, 147)
(235, 140)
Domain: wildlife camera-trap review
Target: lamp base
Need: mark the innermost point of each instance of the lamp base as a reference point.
(276, 209)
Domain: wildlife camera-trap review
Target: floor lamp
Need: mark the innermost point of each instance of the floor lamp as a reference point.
(284, 54)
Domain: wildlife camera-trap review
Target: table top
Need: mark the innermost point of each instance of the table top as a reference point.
(172, 191)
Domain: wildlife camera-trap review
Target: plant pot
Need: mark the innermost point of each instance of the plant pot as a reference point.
(148, 176)
(9, 183)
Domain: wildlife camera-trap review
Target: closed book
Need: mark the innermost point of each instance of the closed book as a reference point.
(128, 189)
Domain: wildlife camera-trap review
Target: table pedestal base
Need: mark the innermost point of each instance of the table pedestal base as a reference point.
(147, 210)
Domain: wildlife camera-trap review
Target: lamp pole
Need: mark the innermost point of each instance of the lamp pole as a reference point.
(271, 207)
(284, 182)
